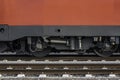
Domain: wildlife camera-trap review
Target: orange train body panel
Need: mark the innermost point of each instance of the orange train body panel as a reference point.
(60, 12)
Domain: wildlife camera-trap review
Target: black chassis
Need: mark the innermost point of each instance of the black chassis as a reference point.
(10, 33)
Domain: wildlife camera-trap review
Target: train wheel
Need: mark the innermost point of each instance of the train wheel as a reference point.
(3, 47)
(103, 53)
(105, 47)
(38, 47)
(41, 53)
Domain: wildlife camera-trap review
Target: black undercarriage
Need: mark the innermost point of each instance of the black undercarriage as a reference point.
(42, 46)
(39, 41)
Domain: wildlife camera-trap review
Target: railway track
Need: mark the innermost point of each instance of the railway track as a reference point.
(59, 68)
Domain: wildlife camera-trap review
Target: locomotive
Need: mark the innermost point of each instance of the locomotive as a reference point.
(39, 27)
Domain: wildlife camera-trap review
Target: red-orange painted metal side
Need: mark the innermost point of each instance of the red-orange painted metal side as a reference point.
(60, 12)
